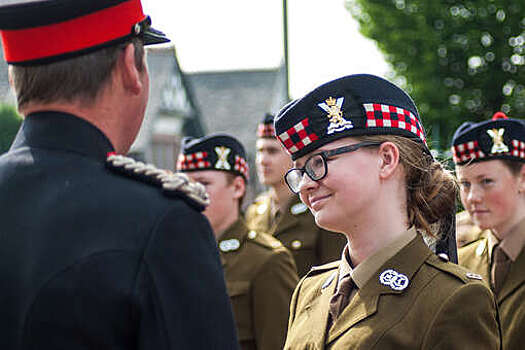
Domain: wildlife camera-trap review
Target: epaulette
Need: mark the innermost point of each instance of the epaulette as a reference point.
(264, 240)
(172, 184)
(452, 269)
(315, 270)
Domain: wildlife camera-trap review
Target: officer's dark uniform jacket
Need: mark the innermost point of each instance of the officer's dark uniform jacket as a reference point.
(260, 277)
(296, 229)
(511, 298)
(91, 259)
(414, 300)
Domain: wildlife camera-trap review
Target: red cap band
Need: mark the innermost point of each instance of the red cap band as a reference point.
(73, 35)
(499, 115)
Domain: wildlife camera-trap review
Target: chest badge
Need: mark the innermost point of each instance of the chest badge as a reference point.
(222, 162)
(394, 279)
(296, 244)
(229, 245)
(335, 115)
(298, 208)
(498, 146)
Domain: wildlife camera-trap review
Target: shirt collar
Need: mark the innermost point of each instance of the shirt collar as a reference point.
(513, 242)
(367, 268)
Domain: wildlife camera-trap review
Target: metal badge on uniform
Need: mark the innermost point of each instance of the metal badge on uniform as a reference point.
(261, 209)
(229, 245)
(498, 146)
(329, 280)
(222, 162)
(474, 276)
(298, 208)
(394, 279)
(252, 234)
(296, 244)
(335, 115)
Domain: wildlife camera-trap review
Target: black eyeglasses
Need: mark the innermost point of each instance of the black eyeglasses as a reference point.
(316, 167)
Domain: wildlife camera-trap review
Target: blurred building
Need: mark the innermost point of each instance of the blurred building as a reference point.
(194, 104)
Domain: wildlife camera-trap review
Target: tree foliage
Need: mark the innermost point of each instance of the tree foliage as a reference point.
(459, 60)
(9, 124)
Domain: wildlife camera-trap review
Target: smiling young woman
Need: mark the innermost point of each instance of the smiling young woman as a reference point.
(362, 166)
(489, 159)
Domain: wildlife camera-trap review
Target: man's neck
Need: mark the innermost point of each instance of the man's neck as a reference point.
(281, 195)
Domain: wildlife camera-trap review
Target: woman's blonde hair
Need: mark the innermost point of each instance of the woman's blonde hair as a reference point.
(431, 189)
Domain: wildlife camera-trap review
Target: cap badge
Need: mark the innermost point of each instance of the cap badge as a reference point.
(222, 162)
(229, 245)
(335, 115)
(497, 139)
(298, 208)
(394, 279)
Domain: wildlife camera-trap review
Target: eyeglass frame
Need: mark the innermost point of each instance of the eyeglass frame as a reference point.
(326, 155)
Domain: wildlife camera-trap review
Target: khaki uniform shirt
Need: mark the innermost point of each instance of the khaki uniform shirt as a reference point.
(511, 298)
(260, 278)
(296, 229)
(412, 300)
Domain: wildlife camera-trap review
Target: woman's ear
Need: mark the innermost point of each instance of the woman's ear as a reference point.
(388, 159)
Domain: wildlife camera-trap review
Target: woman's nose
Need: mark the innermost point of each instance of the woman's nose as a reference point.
(307, 184)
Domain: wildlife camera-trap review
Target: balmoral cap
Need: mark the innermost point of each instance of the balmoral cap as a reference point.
(498, 138)
(354, 105)
(213, 152)
(44, 31)
(265, 128)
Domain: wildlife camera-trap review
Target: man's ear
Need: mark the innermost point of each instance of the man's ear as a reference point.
(521, 179)
(388, 159)
(129, 73)
(239, 187)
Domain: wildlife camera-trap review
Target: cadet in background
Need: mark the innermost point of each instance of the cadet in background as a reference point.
(466, 230)
(489, 159)
(260, 272)
(97, 251)
(364, 169)
(281, 212)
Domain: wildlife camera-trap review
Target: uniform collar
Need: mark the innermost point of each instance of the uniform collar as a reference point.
(513, 242)
(237, 231)
(367, 268)
(63, 132)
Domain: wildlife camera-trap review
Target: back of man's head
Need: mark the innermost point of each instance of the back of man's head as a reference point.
(63, 50)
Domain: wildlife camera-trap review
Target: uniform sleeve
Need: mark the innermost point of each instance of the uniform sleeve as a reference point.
(271, 293)
(181, 289)
(330, 246)
(467, 320)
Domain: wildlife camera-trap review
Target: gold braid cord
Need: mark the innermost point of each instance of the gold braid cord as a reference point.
(170, 182)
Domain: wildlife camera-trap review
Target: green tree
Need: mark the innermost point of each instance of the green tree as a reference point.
(9, 124)
(459, 60)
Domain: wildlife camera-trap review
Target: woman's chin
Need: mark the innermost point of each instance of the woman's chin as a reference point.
(324, 221)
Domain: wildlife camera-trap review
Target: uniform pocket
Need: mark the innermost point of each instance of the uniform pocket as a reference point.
(240, 297)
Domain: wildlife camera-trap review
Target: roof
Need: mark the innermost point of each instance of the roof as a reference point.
(234, 102)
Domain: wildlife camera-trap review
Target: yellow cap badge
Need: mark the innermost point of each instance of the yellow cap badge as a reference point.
(335, 115)
(222, 162)
(498, 146)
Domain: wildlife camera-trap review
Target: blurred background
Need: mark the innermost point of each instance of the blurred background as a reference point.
(232, 61)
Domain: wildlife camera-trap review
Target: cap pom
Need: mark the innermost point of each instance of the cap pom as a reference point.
(499, 115)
